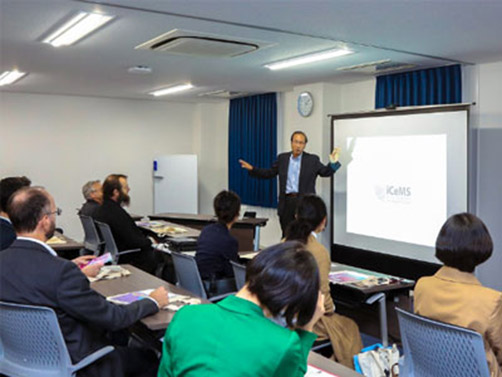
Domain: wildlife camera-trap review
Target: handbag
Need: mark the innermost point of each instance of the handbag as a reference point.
(378, 361)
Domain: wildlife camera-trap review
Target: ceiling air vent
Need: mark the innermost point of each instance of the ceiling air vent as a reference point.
(224, 94)
(378, 67)
(184, 42)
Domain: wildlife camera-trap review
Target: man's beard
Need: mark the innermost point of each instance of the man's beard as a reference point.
(51, 230)
(124, 199)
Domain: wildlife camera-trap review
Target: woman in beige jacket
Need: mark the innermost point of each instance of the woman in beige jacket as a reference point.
(341, 331)
(454, 295)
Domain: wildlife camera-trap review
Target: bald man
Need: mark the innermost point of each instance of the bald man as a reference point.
(42, 278)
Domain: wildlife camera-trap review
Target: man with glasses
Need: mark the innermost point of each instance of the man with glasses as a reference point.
(298, 171)
(31, 273)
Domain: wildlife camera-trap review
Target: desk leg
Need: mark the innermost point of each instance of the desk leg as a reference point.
(381, 298)
(256, 238)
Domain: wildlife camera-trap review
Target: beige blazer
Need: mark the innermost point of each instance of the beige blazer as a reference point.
(458, 298)
(341, 331)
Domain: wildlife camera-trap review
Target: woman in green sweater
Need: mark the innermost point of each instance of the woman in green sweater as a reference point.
(239, 336)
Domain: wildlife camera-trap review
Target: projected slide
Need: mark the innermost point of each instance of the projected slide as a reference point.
(396, 187)
(403, 174)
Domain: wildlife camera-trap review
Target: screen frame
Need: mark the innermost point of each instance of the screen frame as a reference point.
(374, 260)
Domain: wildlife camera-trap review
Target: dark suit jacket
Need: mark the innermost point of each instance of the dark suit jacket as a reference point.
(216, 247)
(29, 274)
(7, 234)
(89, 208)
(127, 235)
(310, 168)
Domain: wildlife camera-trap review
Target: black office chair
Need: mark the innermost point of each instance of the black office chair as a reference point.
(239, 274)
(189, 278)
(92, 240)
(110, 245)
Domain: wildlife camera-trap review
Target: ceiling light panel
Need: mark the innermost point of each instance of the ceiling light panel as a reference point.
(9, 77)
(171, 90)
(77, 28)
(306, 59)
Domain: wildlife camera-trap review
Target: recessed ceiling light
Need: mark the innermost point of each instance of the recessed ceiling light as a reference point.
(311, 58)
(9, 77)
(77, 28)
(140, 69)
(171, 90)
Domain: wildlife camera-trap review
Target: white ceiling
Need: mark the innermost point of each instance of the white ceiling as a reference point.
(424, 33)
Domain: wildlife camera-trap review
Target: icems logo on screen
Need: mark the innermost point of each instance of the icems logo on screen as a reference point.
(393, 193)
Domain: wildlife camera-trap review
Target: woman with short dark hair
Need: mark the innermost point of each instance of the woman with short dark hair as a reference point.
(216, 247)
(311, 218)
(239, 335)
(454, 295)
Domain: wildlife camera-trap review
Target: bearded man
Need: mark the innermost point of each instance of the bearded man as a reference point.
(126, 233)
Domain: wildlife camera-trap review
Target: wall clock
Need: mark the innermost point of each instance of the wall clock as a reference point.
(305, 104)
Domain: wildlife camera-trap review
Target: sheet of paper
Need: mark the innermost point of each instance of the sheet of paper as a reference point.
(313, 371)
(55, 240)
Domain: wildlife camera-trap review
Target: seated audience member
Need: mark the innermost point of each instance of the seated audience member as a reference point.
(454, 294)
(239, 335)
(8, 186)
(216, 247)
(125, 232)
(42, 278)
(343, 332)
(94, 197)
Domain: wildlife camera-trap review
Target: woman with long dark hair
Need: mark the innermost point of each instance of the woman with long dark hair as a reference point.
(343, 332)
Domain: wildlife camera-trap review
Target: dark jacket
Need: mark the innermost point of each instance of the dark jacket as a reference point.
(7, 234)
(89, 208)
(127, 235)
(310, 168)
(216, 247)
(29, 274)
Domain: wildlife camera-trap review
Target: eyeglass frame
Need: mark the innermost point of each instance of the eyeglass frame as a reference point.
(57, 212)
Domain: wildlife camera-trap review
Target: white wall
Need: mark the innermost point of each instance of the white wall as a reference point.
(61, 142)
(211, 142)
(489, 156)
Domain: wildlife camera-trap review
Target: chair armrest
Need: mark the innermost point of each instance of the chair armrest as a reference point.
(221, 297)
(89, 359)
(128, 251)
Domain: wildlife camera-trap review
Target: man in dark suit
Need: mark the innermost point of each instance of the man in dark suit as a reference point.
(32, 274)
(125, 232)
(93, 196)
(298, 171)
(8, 186)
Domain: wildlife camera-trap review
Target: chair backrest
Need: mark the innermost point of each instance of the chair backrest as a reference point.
(110, 245)
(188, 274)
(31, 343)
(239, 274)
(433, 348)
(92, 241)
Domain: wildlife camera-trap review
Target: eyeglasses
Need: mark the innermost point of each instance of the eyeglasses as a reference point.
(58, 212)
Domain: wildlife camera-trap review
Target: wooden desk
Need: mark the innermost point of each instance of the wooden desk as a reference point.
(247, 231)
(69, 249)
(370, 295)
(139, 280)
(331, 366)
(154, 230)
(135, 217)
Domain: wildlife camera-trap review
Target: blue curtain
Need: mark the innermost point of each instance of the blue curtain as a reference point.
(432, 86)
(253, 138)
